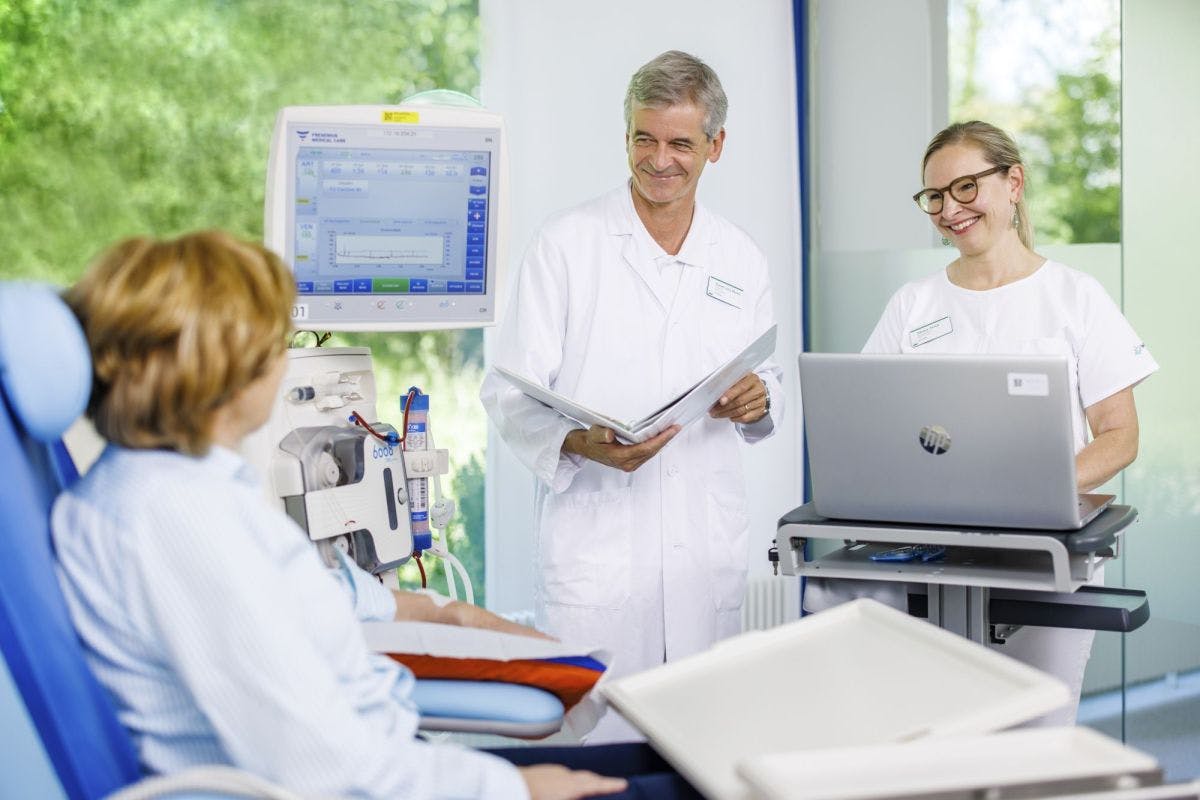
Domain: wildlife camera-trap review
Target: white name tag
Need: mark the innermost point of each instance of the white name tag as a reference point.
(1029, 384)
(725, 292)
(927, 333)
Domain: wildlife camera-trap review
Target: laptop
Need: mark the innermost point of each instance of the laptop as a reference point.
(967, 440)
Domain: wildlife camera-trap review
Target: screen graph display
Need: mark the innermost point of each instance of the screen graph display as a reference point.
(387, 216)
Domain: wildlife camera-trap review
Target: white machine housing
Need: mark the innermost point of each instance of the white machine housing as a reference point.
(392, 218)
(337, 480)
(375, 191)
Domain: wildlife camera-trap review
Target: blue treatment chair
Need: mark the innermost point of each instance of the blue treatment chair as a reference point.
(45, 378)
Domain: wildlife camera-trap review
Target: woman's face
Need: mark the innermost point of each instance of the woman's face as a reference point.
(259, 396)
(249, 409)
(976, 226)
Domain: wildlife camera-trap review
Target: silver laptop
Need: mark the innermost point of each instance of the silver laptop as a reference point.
(943, 439)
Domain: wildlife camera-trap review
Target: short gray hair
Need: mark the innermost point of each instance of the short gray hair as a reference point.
(674, 78)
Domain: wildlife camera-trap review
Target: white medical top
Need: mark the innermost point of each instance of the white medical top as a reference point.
(582, 323)
(223, 639)
(1054, 311)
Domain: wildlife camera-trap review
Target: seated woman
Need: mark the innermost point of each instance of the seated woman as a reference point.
(207, 613)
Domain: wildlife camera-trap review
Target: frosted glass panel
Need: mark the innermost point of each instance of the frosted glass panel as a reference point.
(1162, 284)
(850, 289)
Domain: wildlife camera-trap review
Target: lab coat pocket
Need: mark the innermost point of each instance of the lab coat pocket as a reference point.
(585, 548)
(728, 539)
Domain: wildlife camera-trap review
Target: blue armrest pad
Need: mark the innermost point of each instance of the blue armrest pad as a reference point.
(485, 700)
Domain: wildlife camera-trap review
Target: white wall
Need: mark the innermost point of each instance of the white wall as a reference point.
(557, 70)
(879, 93)
(879, 78)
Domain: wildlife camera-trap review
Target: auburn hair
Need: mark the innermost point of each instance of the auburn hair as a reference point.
(176, 329)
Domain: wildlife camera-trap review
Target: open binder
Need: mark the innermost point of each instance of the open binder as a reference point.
(682, 410)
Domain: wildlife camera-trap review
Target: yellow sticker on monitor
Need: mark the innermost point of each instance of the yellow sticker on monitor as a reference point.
(407, 117)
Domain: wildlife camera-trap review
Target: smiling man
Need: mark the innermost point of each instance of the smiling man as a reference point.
(622, 304)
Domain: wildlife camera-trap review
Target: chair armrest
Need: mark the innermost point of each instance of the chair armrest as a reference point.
(507, 709)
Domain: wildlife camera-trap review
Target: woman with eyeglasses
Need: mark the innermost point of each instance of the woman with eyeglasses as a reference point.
(1000, 296)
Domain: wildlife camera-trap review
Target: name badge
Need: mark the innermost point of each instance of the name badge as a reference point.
(927, 333)
(727, 293)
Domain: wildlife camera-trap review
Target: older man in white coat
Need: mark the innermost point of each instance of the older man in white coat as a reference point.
(623, 303)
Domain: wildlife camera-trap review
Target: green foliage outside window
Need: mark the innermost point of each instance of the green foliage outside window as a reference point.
(448, 366)
(135, 117)
(1034, 68)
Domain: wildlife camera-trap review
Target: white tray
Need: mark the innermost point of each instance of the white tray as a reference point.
(1175, 791)
(1021, 758)
(858, 674)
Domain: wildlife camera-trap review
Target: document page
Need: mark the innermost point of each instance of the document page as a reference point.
(682, 411)
(455, 641)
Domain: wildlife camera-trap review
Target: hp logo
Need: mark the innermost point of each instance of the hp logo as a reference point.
(934, 439)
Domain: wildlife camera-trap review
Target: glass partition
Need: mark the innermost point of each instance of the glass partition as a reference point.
(1161, 282)
(1094, 91)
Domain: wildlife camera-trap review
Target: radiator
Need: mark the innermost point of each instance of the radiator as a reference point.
(770, 600)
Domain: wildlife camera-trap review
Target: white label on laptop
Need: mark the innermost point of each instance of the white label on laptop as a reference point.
(927, 333)
(725, 292)
(1029, 384)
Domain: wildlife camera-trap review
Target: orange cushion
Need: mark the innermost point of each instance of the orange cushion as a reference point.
(568, 682)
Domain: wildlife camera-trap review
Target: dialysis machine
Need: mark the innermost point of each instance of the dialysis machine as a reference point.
(391, 218)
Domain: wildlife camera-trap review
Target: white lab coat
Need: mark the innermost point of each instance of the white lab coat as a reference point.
(650, 564)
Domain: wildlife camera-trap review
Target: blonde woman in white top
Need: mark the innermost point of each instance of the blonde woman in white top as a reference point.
(1000, 296)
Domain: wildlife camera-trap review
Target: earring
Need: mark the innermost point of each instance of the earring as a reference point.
(1016, 220)
(945, 242)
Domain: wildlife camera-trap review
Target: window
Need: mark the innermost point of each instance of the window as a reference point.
(95, 145)
(1048, 72)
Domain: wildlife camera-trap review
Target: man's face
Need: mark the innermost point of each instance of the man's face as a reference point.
(667, 152)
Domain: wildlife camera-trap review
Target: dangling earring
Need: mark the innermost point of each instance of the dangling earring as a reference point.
(945, 242)
(1016, 220)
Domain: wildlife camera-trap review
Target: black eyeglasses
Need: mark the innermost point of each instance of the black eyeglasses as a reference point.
(964, 190)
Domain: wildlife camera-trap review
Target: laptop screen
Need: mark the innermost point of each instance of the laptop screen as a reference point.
(980, 440)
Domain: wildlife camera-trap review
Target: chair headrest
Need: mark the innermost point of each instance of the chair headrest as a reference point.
(45, 365)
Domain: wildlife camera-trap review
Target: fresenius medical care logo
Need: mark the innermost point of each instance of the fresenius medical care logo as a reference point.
(302, 134)
(934, 439)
